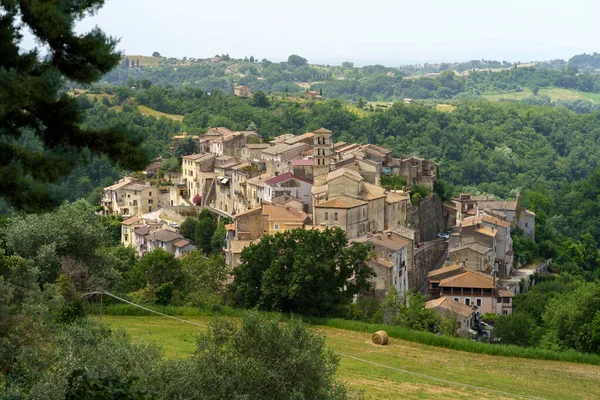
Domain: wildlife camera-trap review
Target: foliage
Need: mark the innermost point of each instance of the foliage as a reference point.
(205, 274)
(230, 361)
(156, 268)
(185, 147)
(301, 271)
(409, 310)
(188, 228)
(205, 229)
(393, 181)
(42, 136)
(417, 194)
(81, 386)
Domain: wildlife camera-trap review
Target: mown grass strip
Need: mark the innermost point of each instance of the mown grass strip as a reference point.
(397, 332)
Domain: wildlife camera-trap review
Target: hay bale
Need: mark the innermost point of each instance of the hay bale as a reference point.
(380, 337)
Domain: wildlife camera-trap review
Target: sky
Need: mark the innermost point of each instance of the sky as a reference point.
(389, 32)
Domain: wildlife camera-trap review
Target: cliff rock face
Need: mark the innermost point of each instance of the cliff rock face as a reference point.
(427, 219)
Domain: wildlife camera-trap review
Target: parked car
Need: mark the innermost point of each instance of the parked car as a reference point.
(443, 235)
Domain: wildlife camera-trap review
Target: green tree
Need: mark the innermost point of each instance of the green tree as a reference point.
(259, 98)
(297, 61)
(302, 271)
(518, 328)
(155, 269)
(205, 228)
(188, 228)
(33, 101)
(186, 146)
(289, 360)
(217, 241)
(205, 274)
(409, 310)
(146, 83)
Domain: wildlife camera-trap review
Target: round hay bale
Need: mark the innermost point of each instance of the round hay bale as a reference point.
(380, 337)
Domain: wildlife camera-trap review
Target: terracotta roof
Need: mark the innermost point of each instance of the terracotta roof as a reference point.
(372, 192)
(355, 176)
(323, 130)
(319, 189)
(302, 162)
(495, 221)
(388, 240)
(475, 246)
(220, 130)
(198, 156)
(230, 227)
(258, 145)
(137, 187)
(487, 231)
(250, 211)
(259, 180)
(299, 138)
(341, 202)
(499, 205)
(283, 213)
(284, 177)
(450, 305)
(444, 270)
(118, 185)
(395, 197)
(182, 243)
(131, 221)
(505, 293)
(165, 235)
(469, 279)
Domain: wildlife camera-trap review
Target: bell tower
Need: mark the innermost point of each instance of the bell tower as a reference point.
(321, 151)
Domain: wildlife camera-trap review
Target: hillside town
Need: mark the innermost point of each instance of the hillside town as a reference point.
(458, 252)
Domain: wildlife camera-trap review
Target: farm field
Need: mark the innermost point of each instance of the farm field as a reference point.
(554, 93)
(145, 61)
(504, 377)
(157, 114)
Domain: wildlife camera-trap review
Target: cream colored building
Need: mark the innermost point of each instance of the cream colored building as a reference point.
(344, 212)
(449, 308)
(130, 198)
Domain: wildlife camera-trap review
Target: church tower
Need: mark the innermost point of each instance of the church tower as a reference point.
(321, 151)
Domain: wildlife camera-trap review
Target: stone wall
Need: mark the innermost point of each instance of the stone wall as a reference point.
(427, 219)
(425, 259)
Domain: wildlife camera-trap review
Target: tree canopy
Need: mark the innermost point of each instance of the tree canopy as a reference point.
(42, 139)
(302, 271)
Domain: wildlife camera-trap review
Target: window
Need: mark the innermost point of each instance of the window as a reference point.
(135, 203)
(150, 201)
(478, 302)
(364, 211)
(335, 216)
(276, 226)
(506, 300)
(149, 193)
(468, 301)
(125, 229)
(326, 217)
(526, 224)
(456, 299)
(504, 312)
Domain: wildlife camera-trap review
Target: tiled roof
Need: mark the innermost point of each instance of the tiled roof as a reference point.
(165, 235)
(258, 145)
(131, 221)
(395, 197)
(230, 227)
(118, 185)
(302, 162)
(389, 240)
(495, 221)
(218, 131)
(198, 156)
(284, 177)
(341, 202)
(487, 231)
(355, 176)
(475, 246)
(499, 205)
(250, 211)
(319, 189)
(440, 271)
(283, 213)
(469, 279)
(372, 192)
(138, 187)
(300, 138)
(505, 293)
(323, 130)
(450, 305)
(181, 243)
(259, 180)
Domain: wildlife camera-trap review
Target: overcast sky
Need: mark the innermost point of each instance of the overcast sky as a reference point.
(390, 32)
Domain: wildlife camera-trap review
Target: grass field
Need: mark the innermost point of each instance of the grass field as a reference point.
(157, 114)
(514, 377)
(144, 60)
(445, 107)
(554, 93)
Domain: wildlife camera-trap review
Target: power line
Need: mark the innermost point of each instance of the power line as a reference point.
(154, 311)
(424, 376)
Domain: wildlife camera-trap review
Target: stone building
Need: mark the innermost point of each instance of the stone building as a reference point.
(321, 151)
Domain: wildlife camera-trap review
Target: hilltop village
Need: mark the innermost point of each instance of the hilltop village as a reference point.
(459, 252)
